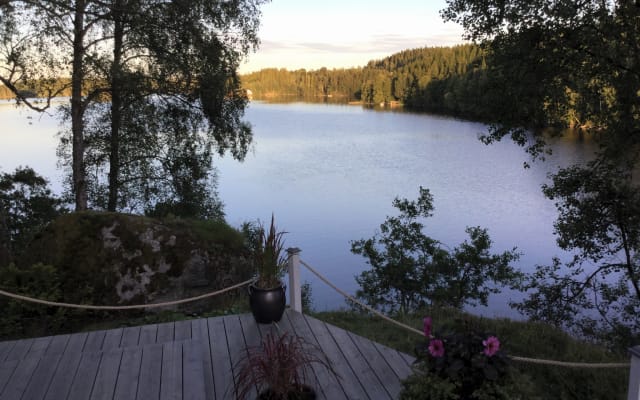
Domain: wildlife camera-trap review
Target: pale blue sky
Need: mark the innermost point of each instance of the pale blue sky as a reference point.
(346, 33)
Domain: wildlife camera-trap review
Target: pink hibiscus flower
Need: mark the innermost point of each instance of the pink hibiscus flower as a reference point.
(436, 348)
(427, 326)
(491, 346)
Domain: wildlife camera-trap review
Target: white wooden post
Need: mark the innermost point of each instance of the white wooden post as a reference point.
(295, 293)
(634, 374)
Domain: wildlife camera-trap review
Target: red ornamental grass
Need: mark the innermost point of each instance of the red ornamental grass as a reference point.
(427, 325)
(280, 364)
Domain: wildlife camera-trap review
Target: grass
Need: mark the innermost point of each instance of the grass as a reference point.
(518, 338)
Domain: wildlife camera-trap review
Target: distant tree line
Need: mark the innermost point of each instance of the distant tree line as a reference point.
(437, 79)
(35, 89)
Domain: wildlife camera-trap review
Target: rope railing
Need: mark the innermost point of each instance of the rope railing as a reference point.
(323, 279)
(127, 307)
(421, 333)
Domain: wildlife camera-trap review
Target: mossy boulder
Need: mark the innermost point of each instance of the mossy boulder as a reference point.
(119, 259)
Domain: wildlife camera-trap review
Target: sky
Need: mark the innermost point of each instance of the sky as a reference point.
(346, 33)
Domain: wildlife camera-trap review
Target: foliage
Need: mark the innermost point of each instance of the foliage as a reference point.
(599, 220)
(306, 294)
(268, 255)
(436, 79)
(26, 207)
(153, 88)
(19, 318)
(410, 269)
(467, 362)
(573, 64)
(109, 258)
(521, 338)
(280, 365)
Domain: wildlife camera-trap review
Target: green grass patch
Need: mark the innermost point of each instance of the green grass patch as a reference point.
(518, 338)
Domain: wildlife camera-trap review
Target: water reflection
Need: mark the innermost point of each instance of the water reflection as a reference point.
(330, 172)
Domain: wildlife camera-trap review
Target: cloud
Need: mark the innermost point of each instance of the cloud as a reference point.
(313, 54)
(383, 43)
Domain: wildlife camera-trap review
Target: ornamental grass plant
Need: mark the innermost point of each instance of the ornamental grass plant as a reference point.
(268, 255)
(279, 368)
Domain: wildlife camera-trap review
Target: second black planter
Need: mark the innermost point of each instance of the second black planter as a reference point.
(267, 305)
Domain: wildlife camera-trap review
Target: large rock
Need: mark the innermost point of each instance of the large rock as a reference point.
(118, 259)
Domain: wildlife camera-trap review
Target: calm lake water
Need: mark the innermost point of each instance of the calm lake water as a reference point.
(329, 174)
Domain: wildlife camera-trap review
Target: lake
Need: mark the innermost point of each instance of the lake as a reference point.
(329, 173)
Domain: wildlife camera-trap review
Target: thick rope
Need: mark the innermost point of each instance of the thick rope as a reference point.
(421, 333)
(365, 306)
(130, 307)
(569, 363)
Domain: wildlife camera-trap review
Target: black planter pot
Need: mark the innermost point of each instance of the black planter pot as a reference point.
(303, 392)
(267, 305)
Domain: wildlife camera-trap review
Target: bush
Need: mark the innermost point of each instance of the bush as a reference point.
(20, 318)
(461, 365)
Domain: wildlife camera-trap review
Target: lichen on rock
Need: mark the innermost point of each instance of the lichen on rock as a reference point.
(111, 258)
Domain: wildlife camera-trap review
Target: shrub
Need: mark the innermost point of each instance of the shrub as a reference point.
(460, 365)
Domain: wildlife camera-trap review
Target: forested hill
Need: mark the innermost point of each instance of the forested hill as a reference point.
(437, 79)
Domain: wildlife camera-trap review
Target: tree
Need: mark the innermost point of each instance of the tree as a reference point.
(26, 207)
(128, 53)
(573, 64)
(410, 269)
(599, 221)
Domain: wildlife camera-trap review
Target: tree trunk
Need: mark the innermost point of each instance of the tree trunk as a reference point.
(116, 107)
(77, 109)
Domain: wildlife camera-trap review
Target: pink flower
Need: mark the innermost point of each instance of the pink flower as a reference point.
(436, 348)
(427, 326)
(491, 346)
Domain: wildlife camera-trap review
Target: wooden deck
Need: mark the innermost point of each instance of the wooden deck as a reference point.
(188, 360)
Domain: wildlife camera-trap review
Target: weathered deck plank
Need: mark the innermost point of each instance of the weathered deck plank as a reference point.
(378, 364)
(85, 376)
(130, 336)
(129, 374)
(193, 371)
(58, 344)
(42, 377)
(252, 338)
(171, 381)
(331, 386)
(19, 350)
(396, 362)
(40, 345)
(17, 385)
(150, 372)
(349, 381)
(222, 374)
(94, 341)
(165, 332)
(76, 342)
(189, 360)
(148, 334)
(112, 339)
(200, 332)
(6, 370)
(182, 330)
(235, 341)
(358, 363)
(5, 349)
(67, 367)
(107, 375)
